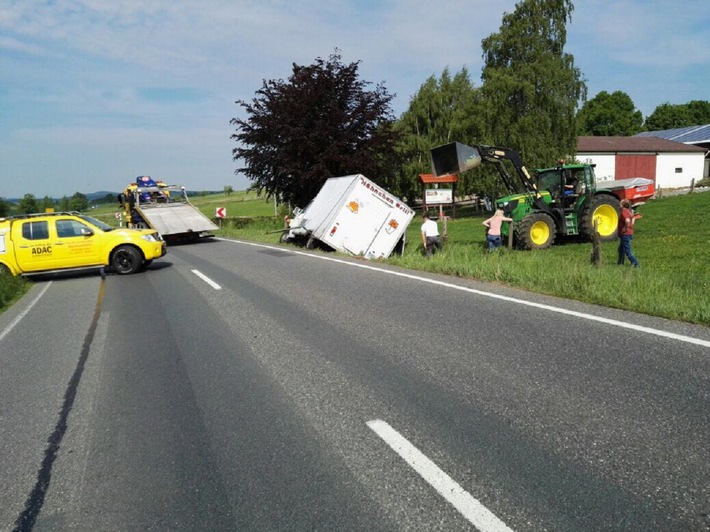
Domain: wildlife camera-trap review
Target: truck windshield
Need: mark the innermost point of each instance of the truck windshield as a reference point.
(97, 223)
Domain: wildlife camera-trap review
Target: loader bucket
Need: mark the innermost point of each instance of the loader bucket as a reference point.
(453, 158)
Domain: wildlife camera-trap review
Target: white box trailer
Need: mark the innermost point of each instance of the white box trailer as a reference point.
(353, 215)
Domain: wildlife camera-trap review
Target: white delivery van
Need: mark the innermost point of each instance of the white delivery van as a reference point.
(353, 215)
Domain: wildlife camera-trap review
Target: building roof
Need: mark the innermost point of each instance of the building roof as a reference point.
(635, 144)
(429, 178)
(686, 135)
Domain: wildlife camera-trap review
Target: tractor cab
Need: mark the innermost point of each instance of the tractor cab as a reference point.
(568, 185)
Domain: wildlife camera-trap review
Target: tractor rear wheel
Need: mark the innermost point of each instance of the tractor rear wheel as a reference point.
(604, 210)
(536, 231)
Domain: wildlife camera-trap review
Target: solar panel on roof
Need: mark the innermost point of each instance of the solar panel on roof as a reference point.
(686, 135)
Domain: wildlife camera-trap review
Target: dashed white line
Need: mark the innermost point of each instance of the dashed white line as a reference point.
(477, 514)
(24, 312)
(590, 317)
(206, 279)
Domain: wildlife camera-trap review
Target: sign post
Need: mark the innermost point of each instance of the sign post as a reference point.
(220, 213)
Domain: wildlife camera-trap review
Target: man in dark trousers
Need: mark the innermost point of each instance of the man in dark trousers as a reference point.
(626, 234)
(430, 235)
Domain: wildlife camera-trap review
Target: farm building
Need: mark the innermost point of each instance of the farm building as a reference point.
(692, 135)
(669, 163)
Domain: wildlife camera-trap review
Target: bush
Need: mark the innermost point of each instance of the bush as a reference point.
(11, 288)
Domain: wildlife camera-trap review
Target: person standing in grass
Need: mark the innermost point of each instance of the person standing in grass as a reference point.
(430, 235)
(626, 234)
(494, 223)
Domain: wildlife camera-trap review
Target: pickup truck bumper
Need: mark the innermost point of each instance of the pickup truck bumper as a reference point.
(154, 250)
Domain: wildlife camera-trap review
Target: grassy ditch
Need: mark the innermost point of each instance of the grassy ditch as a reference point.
(672, 243)
(11, 289)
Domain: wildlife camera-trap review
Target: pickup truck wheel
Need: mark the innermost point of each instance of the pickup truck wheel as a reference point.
(311, 243)
(536, 231)
(126, 259)
(604, 209)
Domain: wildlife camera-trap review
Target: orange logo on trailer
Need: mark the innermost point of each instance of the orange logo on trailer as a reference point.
(392, 226)
(354, 206)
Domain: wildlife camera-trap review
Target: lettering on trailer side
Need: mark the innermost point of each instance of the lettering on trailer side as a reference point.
(386, 197)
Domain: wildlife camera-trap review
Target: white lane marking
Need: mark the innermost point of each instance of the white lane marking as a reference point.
(24, 312)
(590, 317)
(207, 279)
(480, 516)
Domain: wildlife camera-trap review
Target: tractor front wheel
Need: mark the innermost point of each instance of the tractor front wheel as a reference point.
(536, 231)
(604, 211)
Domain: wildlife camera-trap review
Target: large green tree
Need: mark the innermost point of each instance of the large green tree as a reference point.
(321, 123)
(441, 111)
(79, 202)
(28, 204)
(671, 116)
(45, 203)
(608, 115)
(531, 87)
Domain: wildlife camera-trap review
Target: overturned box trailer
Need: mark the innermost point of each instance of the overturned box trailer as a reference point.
(353, 215)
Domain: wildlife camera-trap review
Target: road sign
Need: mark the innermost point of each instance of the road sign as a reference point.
(118, 216)
(438, 196)
(220, 212)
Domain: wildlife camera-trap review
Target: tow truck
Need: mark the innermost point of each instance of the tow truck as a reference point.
(154, 204)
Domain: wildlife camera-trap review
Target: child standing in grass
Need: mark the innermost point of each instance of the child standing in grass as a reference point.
(494, 223)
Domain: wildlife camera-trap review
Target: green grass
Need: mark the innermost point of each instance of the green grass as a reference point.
(672, 243)
(11, 289)
(238, 204)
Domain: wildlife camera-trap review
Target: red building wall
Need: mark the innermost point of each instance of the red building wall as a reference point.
(635, 166)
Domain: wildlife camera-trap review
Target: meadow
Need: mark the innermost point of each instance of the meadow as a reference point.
(672, 243)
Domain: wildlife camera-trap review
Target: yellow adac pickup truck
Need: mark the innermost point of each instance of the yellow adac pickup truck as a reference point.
(50, 242)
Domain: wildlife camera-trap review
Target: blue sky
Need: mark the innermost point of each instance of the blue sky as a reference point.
(94, 93)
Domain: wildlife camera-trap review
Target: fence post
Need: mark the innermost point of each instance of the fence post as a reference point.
(596, 246)
(510, 235)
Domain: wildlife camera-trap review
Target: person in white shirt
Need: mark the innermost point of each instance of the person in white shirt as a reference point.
(430, 235)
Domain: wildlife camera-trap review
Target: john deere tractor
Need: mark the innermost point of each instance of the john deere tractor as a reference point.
(561, 201)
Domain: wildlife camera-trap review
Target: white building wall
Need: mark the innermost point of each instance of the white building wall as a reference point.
(675, 170)
(606, 164)
(690, 165)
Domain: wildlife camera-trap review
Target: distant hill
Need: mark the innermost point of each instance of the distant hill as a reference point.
(93, 196)
(100, 195)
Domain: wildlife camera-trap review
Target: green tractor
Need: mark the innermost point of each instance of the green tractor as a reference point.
(561, 201)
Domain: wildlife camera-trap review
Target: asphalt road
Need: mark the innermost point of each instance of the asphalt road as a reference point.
(235, 386)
